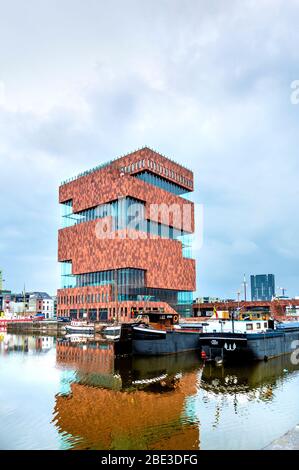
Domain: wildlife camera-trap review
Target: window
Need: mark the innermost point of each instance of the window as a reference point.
(258, 326)
(249, 326)
(92, 314)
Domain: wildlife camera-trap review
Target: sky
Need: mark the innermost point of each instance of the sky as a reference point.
(206, 83)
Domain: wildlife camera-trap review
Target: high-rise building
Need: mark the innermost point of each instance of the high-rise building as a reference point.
(262, 286)
(125, 241)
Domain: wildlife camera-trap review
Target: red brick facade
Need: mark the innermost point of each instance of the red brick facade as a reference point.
(161, 258)
(93, 247)
(107, 185)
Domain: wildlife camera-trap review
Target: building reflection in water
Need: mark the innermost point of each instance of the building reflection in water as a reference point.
(25, 343)
(152, 403)
(126, 403)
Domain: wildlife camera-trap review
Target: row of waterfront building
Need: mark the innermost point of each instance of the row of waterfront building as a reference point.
(27, 304)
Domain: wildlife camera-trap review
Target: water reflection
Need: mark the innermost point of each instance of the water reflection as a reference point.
(256, 380)
(247, 407)
(93, 400)
(126, 403)
(24, 343)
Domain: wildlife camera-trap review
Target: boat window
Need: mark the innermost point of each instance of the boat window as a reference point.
(258, 326)
(249, 326)
(265, 324)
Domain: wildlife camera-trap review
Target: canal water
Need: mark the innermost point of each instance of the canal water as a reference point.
(62, 394)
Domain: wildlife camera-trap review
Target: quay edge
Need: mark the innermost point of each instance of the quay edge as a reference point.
(289, 441)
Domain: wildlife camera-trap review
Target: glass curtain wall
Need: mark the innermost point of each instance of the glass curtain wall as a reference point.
(129, 284)
(68, 280)
(162, 183)
(127, 213)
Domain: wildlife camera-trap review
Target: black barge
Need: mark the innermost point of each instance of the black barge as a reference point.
(244, 347)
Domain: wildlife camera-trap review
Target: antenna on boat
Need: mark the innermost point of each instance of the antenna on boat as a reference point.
(232, 314)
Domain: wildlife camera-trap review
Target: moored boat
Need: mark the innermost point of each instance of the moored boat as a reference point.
(157, 333)
(248, 340)
(76, 326)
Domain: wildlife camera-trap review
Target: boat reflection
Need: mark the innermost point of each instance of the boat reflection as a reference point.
(97, 401)
(126, 403)
(243, 386)
(258, 379)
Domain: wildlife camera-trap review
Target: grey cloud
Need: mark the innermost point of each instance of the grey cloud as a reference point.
(206, 83)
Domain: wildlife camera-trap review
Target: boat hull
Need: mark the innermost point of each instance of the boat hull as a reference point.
(172, 342)
(237, 347)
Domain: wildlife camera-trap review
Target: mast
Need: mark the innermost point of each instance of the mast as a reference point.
(245, 288)
(233, 320)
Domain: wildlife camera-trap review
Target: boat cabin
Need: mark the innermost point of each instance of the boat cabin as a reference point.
(236, 326)
(255, 315)
(158, 320)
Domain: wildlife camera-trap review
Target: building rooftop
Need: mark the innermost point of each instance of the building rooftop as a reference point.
(106, 164)
(40, 295)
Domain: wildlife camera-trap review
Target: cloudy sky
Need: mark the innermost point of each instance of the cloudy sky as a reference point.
(207, 83)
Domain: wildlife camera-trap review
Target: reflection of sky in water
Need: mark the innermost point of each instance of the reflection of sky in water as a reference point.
(28, 384)
(249, 419)
(241, 415)
(67, 377)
